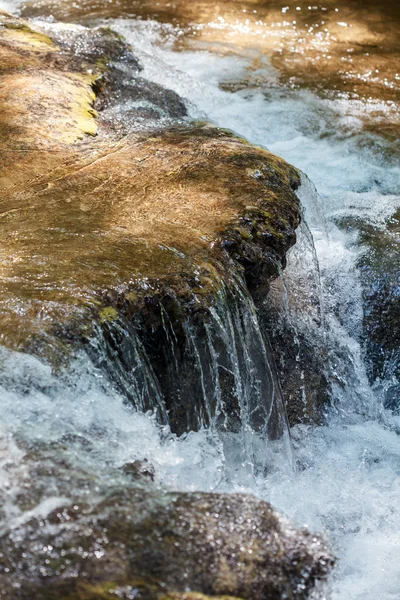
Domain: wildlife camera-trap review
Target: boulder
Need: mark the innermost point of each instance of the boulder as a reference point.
(138, 543)
(111, 233)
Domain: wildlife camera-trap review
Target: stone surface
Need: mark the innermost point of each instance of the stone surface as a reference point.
(141, 544)
(88, 213)
(109, 230)
(348, 49)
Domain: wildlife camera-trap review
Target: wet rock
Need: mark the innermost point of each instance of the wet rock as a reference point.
(107, 232)
(137, 544)
(117, 217)
(301, 365)
(138, 469)
(195, 596)
(380, 272)
(379, 277)
(339, 49)
(125, 99)
(292, 315)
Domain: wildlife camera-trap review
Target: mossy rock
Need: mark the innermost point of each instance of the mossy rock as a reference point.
(90, 223)
(105, 229)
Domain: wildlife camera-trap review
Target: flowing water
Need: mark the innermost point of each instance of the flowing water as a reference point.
(345, 480)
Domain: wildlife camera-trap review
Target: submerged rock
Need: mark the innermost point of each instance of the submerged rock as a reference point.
(141, 544)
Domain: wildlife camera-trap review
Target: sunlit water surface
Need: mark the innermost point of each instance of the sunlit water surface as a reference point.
(347, 482)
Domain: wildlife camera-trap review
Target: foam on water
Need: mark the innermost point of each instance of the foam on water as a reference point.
(347, 482)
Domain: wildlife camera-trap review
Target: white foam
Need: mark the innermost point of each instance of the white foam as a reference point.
(10, 6)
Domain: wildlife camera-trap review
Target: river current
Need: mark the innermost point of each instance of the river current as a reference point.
(346, 480)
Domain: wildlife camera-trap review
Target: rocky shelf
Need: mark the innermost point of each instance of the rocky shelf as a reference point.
(124, 230)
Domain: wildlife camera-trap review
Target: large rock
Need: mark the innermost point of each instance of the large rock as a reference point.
(107, 228)
(154, 546)
(83, 216)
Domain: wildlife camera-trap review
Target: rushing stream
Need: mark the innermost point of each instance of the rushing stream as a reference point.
(346, 478)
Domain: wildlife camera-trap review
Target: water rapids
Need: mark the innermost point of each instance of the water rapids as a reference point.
(342, 478)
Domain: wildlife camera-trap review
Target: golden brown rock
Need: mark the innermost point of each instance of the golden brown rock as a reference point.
(341, 45)
(84, 216)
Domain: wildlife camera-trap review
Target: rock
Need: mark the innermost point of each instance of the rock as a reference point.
(138, 469)
(107, 232)
(122, 95)
(316, 49)
(117, 241)
(195, 596)
(379, 262)
(111, 213)
(380, 272)
(141, 544)
(292, 316)
(301, 365)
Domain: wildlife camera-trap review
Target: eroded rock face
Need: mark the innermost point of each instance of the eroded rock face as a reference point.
(136, 231)
(121, 231)
(140, 544)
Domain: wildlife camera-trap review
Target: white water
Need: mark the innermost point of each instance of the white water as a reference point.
(348, 478)
(347, 483)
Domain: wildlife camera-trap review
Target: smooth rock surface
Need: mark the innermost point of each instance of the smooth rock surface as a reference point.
(88, 212)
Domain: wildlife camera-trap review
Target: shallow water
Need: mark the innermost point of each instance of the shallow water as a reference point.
(347, 482)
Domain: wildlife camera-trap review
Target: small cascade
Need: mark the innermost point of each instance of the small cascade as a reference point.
(119, 352)
(195, 393)
(212, 370)
(121, 399)
(316, 301)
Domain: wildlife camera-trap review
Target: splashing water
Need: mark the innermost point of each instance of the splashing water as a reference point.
(347, 479)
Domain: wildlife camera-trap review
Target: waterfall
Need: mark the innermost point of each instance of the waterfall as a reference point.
(214, 370)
